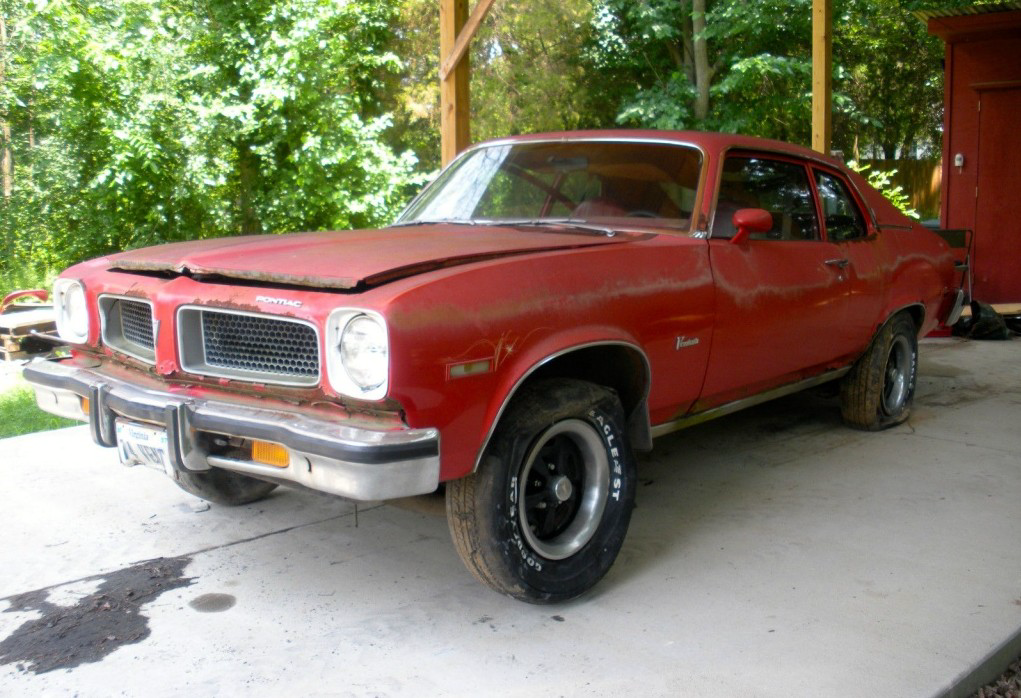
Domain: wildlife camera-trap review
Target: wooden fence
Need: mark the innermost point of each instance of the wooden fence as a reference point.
(921, 179)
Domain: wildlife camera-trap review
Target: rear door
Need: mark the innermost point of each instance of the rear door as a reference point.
(861, 247)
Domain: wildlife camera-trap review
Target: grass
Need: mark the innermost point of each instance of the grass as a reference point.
(19, 414)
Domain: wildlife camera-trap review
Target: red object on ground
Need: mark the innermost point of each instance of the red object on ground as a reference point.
(38, 293)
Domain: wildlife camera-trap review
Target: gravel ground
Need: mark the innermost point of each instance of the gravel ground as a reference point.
(1007, 686)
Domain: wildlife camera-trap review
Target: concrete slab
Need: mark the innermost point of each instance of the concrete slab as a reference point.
(772, 553)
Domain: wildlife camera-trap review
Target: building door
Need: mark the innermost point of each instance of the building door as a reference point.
(996, 253)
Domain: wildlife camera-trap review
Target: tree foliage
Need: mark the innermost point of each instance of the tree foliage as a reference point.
(528, 73)
(141, 121)
(887, 71)
(891, 81)
(134, 122)
(757, 67)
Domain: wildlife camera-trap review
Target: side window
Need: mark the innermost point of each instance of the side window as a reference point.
(781, 188)
(844, 220)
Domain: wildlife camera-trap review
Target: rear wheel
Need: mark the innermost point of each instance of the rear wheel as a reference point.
(879, 390)
(546, 514)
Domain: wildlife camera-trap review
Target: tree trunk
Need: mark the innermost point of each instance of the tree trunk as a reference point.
(6, 166)
(687, 42)
(702, 71)
(248, 177)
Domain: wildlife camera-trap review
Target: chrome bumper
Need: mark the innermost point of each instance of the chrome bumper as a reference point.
(353, 462)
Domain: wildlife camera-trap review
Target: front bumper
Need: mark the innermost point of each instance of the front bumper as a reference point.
(325, 455)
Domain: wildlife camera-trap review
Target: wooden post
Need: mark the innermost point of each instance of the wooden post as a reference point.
(822, 75)
(455, 133)
(455, 35)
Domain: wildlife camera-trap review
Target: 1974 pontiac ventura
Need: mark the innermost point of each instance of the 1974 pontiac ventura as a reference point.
(546, 307)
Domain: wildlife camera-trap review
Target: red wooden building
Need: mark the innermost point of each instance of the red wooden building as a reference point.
(982, 141)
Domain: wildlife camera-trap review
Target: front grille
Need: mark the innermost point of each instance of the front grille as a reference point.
(136, 323)
(128, 326)
(247, 346)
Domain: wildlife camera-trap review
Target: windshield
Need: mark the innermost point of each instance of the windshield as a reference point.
(560, 182)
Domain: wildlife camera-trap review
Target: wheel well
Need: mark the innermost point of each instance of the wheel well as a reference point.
(915, 312)
(620, 367)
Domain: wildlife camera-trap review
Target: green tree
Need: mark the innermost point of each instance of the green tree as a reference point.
(745, 66)
(524, 77)
(727, 65)
(891, 80)
(143, 121)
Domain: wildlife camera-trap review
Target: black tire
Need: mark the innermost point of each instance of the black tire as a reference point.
(879, 390)
(223, 487)
(543, 518)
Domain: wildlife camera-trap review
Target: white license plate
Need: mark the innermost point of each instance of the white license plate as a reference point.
(140, 444)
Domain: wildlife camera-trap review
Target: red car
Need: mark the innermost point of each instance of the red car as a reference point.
(546, 307)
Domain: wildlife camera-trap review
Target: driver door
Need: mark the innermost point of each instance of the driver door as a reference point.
(781, 296)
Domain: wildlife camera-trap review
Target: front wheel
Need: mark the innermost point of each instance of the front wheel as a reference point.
(546, 514)
(879, 390)
(221, 486)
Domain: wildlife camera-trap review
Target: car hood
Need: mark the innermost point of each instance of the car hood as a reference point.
(351, 259)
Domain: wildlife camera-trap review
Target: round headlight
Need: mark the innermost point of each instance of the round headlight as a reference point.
(364, 353)
(72, 311)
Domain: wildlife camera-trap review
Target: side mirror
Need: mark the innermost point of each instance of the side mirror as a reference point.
(750, 220)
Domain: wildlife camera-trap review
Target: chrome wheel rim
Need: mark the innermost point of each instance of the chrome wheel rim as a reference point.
(897, 376)
(563, 486)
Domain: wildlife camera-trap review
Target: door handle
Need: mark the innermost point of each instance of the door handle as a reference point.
(838, 263)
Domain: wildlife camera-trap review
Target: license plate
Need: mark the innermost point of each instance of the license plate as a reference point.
(140, 444)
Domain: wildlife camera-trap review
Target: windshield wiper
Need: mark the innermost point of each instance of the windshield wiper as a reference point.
(437, 221)
(556, 222)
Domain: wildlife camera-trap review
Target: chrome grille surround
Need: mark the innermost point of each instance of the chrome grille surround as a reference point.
(127, 326)
(247, 346)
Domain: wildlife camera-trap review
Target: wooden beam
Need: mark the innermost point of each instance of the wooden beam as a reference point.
(464, 37)
(822, 75)
(455, 133)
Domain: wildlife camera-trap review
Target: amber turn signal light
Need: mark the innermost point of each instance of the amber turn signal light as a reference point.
(270, 454)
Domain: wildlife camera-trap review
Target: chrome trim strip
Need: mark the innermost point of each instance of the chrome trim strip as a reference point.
(699, 417)
(814, 161)
(516, 140)
(357, 481)
(543, 362)
(955, 311)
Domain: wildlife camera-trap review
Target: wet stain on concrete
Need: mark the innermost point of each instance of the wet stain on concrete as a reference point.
(212, 603)
(67, 636)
